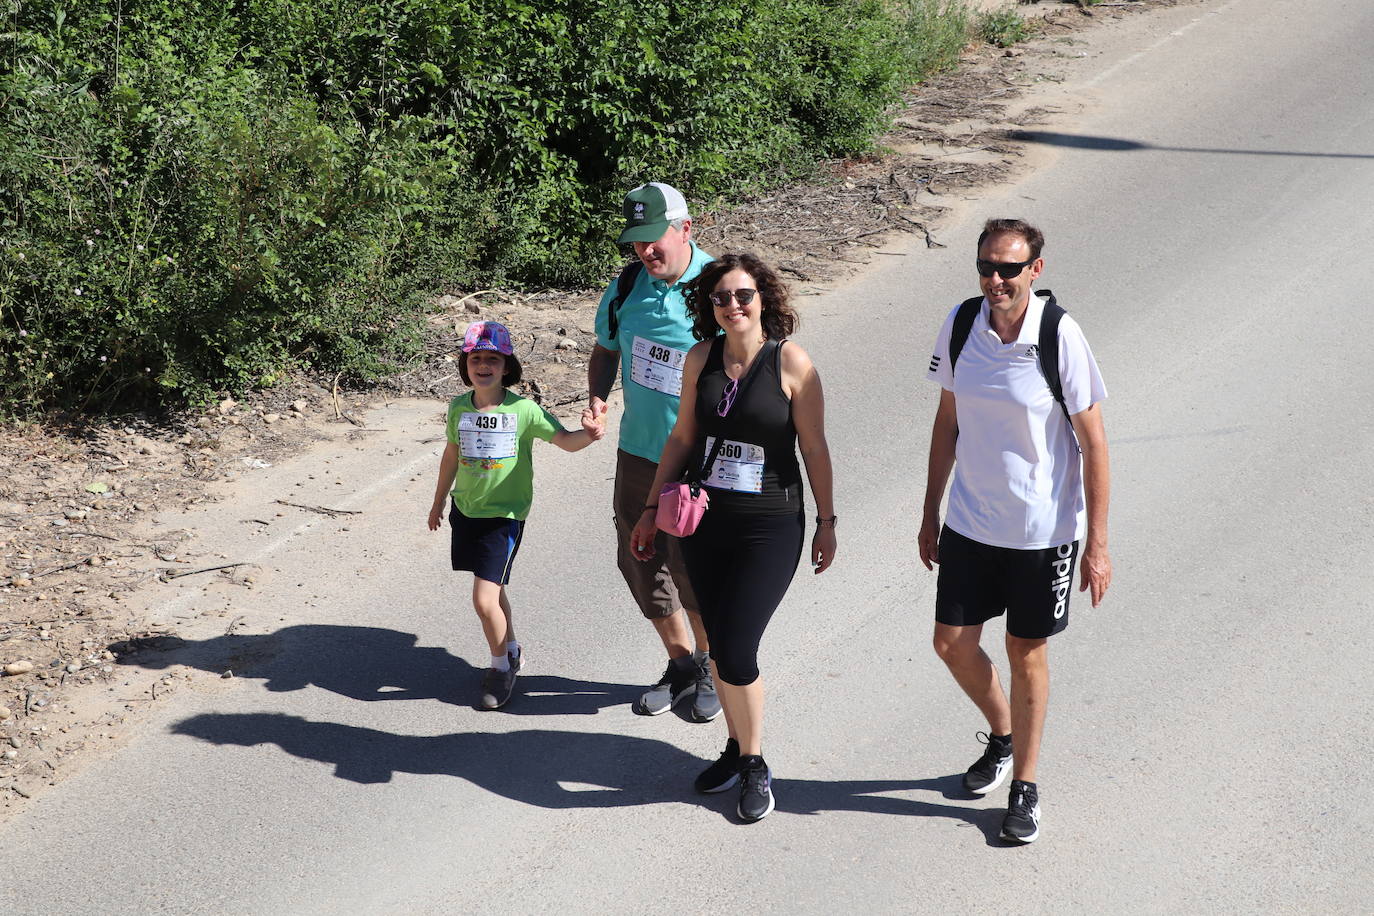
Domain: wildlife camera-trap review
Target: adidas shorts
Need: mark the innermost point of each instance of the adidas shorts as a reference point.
(485, 546)
(978, 582)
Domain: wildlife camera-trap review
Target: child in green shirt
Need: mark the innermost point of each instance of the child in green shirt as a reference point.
(487, 474)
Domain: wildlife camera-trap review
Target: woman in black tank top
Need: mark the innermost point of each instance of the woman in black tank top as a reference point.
(759, 394)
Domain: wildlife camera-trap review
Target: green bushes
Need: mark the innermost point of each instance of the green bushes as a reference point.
(1002, 28)
(196, 196)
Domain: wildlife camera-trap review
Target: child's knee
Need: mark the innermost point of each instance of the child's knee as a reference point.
(486, 597)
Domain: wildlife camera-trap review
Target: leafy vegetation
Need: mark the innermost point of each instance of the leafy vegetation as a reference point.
(198, 196)
(1003, 28)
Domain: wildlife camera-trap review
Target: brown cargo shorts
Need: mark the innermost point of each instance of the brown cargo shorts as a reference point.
(659, 585)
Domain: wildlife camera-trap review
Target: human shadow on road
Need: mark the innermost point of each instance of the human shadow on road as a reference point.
(814, 796)
(555, 769)
(1123, 145)
(372, 664)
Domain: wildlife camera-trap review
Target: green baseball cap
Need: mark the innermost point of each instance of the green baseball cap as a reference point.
(648, 210)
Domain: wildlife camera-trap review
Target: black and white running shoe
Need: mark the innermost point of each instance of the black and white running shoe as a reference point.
(722, 774)
(1022, 823)
(990, 769)
(755, 789)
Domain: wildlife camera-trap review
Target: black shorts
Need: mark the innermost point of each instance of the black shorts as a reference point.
(486, 546)
(978, 582)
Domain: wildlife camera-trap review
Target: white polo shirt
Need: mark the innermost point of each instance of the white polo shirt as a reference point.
(1018, 473)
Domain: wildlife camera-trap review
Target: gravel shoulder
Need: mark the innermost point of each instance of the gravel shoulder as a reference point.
(84, 510)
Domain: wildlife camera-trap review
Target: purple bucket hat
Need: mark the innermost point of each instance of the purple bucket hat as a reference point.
(488, 335)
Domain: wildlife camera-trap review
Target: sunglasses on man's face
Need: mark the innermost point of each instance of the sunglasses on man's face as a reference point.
(1004, 269)
(721, 298)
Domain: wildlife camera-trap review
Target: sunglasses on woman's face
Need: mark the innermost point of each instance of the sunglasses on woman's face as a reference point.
(1004, 269)
(721, 298)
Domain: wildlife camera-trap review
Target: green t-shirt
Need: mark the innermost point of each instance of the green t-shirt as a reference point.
(495, 474)
(653, 337)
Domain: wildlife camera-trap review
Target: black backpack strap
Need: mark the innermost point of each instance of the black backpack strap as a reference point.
(623, 284)
(963, 324)
(1049, 348)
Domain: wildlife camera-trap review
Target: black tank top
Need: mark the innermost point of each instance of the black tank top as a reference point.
(756, 470)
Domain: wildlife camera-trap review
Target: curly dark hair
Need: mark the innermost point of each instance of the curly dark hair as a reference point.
(510, 376)
(778, 318)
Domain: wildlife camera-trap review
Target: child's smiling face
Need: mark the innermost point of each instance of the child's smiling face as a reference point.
(486, 368)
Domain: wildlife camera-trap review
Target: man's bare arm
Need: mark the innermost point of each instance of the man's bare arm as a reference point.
(943, 435)
(1096, 563)
(601, 372)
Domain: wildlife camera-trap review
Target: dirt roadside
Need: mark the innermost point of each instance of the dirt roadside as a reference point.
(77, 543)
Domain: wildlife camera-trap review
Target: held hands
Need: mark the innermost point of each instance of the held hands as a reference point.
(594, 413)
(642, 537)
(822, 549)
(592, 425)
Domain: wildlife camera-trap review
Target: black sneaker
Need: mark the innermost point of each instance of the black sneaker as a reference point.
(497, 687)
(991, 768)
(679, 681)
(705, 703)
(517, 659)
(722, 774)
(1022, 823)
(755, 789)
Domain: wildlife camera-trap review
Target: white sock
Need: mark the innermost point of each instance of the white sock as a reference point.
(500, 662)
(513, 647)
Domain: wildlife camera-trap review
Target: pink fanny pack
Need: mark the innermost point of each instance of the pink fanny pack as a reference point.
(679, 509)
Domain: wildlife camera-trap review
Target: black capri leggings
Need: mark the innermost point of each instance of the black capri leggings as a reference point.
(740, 567)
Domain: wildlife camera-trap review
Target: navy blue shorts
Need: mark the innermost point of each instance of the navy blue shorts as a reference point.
(485, 546)
(978, 582)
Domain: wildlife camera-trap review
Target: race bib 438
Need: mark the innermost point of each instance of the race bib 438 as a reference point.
(658, 367)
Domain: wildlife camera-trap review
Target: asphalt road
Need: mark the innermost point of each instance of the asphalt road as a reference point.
(1207, 218)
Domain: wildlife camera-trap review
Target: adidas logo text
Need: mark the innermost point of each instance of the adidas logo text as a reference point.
(1063, 579)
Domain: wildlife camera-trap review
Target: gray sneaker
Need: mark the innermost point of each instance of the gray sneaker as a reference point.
(497, 687)
(679, 681)
(705, 703)
(517, 659)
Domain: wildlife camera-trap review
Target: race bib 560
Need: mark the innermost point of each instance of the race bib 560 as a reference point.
(738, 466)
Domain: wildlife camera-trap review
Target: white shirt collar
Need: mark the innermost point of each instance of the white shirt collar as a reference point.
(1030, 325)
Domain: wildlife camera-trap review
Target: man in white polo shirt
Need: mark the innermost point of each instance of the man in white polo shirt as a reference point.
(643, 331)
(1031, 485)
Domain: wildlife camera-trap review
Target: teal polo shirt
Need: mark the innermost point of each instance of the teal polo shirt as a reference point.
(655, 333)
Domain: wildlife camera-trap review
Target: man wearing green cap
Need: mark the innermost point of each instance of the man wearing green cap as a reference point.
(643, 332)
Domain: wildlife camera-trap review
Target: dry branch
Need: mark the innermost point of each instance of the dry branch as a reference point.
(332, 513)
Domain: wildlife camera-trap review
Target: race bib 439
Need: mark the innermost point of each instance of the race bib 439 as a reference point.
(488, 435)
